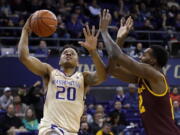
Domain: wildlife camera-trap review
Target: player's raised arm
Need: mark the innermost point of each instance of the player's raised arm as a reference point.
(115, 52)
(97, 77)
(32, 63)
(125, 27)
(120, 72)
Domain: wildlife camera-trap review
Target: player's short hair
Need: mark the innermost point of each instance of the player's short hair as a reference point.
(160, 54)
(69, 46)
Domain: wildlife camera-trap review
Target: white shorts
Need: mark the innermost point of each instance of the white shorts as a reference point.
(53, 130)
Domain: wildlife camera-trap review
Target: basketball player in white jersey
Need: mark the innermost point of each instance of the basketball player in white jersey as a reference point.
(65, 87)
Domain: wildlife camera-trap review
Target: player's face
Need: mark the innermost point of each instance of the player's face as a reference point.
(69, 58)
(147, 57)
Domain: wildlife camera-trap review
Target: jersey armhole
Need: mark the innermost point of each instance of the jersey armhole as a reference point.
(154, 93)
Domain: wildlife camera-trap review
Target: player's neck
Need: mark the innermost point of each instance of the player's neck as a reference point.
(69, 71)
(158, 68)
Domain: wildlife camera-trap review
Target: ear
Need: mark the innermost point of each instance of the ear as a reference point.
(153, 61)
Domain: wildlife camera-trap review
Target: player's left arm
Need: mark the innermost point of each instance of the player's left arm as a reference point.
(120, 58)
(97, 77)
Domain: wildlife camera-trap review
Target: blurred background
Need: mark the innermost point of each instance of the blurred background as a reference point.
(112, 107)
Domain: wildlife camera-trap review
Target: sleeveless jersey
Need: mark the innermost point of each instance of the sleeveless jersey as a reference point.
(156, 110)
(64, 102)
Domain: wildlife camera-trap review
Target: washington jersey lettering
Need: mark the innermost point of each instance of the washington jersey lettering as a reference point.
(156, 110)
(64, 103)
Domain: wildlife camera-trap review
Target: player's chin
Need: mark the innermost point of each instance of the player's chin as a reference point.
(68, 64)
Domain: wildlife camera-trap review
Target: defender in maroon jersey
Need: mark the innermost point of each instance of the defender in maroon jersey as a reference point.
(156, 110)
(155, 105)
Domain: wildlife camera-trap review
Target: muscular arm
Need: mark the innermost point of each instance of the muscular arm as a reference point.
(136, 68)
(32, 63)
(120, 72)
(97, 77)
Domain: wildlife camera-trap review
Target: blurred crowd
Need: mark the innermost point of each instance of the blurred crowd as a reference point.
(72, 15)
(22, 109)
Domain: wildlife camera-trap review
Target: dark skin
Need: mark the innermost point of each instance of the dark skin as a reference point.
(127, 69)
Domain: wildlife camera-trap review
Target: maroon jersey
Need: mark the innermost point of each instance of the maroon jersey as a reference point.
(156, 110)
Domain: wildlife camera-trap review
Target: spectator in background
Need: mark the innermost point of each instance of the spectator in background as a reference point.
(138, 51)
(84, 129)
(117, 118)
(171, 3)
(131, 97)
(30, 121)
(62, 7)
(106, 130)
(176, 112)
(165, 22)
(9, 123)
(42, 50)
(94, 8)
(97, 123)
(35, 97)
(100, 49)
(177, 22)
(95, 11)
(61, 30)
(19, 107)
(89, 118)
(117, 109)
(84, 19)
(84, 118)
(100, 109)
(6, 99)
(74, 26)
(175, 96)
(5, 8)
(120, 96)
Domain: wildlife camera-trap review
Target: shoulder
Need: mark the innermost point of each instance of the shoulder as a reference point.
(49, 67)
(55, 72)
(85, 73)
(152, 73)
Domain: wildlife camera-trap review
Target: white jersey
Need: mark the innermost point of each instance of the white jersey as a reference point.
(64, 102)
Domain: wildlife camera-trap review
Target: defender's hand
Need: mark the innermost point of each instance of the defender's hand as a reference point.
(126, 26)
(90, 38)
(105, 19)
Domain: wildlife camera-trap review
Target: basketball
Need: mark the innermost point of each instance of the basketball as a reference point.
(43, 23)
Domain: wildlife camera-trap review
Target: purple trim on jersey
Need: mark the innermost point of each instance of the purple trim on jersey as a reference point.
(70, 75)
(54, 126)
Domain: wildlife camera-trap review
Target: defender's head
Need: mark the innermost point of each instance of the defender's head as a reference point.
(155, 55)
(69, 57)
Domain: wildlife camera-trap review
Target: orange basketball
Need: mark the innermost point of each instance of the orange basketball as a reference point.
(43, 23)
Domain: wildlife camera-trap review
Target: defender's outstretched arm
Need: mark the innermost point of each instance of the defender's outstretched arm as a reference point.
(115, 52)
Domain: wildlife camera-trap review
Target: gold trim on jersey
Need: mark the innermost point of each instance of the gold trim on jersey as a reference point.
(155, 94)
(172, 108)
